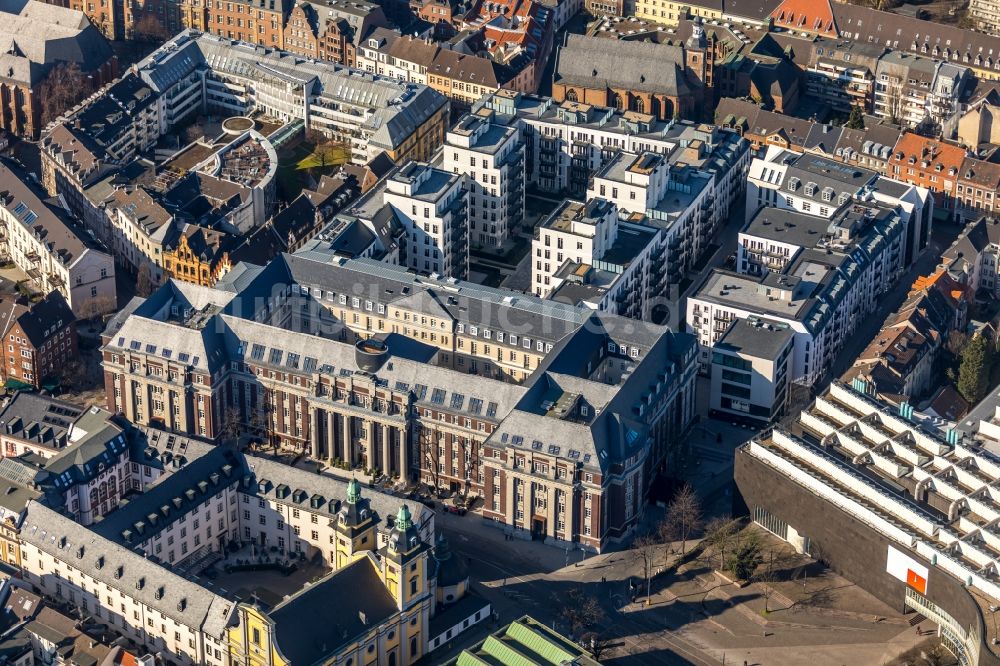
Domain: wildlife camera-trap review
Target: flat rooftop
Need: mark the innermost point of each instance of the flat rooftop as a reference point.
(489, 140)
(569, 211)
(787, 226)
(676, 202)
(431, 188)
(632, 239)
(751, 293)
(757, 337)
(624, 166)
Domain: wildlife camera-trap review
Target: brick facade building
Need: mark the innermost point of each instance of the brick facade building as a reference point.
(39, 339)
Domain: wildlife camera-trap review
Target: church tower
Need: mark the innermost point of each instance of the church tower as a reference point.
(355, 527)
(405, 561)
(696, 55)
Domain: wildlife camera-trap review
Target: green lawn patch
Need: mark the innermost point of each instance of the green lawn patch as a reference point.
(319, 160)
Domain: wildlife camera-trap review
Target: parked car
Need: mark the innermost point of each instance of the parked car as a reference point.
(457, 510)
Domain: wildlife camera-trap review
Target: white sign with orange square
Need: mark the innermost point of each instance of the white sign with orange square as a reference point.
(905, 568)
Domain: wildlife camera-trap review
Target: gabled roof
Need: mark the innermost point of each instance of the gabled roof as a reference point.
(812, 16)
(308, 628)
(34, 36)
(597, 62)
(120, 568)
(40, 321)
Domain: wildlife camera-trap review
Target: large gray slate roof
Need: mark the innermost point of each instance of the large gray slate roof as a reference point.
(142, 579)
(35, 35)
(593, 61)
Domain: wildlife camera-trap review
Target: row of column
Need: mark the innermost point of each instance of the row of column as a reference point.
(330, 440)
(528, 506)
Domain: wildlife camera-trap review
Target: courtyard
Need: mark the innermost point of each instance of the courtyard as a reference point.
(264, 575)
(301, 165)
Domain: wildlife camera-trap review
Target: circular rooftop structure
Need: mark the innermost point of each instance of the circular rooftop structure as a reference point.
(237, 125)
(370, 354)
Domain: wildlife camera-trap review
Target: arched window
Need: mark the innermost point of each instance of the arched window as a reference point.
(392, 658)
(413, 648)
(638, 104)
(616, 100)
(571, 96)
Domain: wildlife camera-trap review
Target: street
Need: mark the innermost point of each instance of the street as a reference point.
(925, 264)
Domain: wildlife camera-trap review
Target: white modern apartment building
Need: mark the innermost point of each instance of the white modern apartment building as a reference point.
(819, 277)
(585, 255)
(575, 232)
(820, 187)
(676, 199)
(431, 204)
(566, 143)
(749, 373)
(491, 158)
(56, 254)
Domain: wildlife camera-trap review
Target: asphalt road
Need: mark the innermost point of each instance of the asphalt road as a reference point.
(889, 303)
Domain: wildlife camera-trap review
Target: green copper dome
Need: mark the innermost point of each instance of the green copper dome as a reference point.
(353, 491)
(404, 520)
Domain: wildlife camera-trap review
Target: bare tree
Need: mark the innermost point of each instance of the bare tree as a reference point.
(429, 454)
(260, 420)
(65, 85)
(318, 140)
(645, 548)
(684, 515)
(232, 427)
(94, 307)
(75, 373)
(150, 28)
(765, 579)
(720, 534)
(315, 136)
(579, 610)
(193, 132)
(892, 99)
(144, 284)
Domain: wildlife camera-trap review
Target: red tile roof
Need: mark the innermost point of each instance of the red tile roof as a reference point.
(812, 16)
